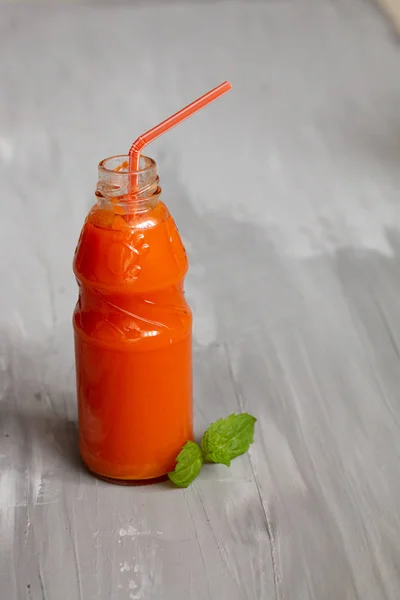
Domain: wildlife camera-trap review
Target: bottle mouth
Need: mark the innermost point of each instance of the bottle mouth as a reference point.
(119, 164)
(115, 180)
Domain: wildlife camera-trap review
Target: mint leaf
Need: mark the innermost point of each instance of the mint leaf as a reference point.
(189, 462)
(227, 438)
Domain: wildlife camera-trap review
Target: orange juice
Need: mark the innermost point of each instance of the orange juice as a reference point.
(132, 329)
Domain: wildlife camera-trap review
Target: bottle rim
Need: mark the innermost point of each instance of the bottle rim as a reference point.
(119, 164)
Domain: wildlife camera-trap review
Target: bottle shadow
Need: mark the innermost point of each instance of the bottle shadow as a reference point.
(40, 441)
(38, 425)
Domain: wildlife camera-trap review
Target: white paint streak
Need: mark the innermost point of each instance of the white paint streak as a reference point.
(8, 498)
(35, 476)
(8, 481)
(132, 532)
(7, 150)
(129, 531)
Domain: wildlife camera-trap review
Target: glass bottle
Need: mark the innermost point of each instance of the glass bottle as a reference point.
(132, 328)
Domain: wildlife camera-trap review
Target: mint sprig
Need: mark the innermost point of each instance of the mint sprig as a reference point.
(189, 462)
(227, 438)
(223, 441)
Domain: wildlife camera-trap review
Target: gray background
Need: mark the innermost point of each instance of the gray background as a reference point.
(286, 194)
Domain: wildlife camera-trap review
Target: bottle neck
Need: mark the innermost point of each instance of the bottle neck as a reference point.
(115, 188)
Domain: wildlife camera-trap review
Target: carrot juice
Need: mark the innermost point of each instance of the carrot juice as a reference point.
(132, 330)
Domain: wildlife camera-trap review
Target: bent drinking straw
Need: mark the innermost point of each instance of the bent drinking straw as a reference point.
(155, 132)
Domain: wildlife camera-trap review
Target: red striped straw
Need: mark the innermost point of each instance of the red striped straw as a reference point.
(155, 132)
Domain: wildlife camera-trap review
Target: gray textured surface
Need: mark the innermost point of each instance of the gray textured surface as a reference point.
(286, 194)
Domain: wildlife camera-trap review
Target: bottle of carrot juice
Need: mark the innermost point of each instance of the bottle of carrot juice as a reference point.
(132, 329)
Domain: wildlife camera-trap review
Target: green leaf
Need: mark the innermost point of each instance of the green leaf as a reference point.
(228, 438)
(189, 462)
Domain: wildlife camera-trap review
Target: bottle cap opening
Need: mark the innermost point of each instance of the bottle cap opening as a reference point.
(120, 164)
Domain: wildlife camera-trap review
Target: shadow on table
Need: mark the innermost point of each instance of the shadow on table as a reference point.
(38, 427)
(39, 439)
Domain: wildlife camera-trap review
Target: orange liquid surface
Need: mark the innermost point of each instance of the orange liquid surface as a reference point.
(133, 344)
